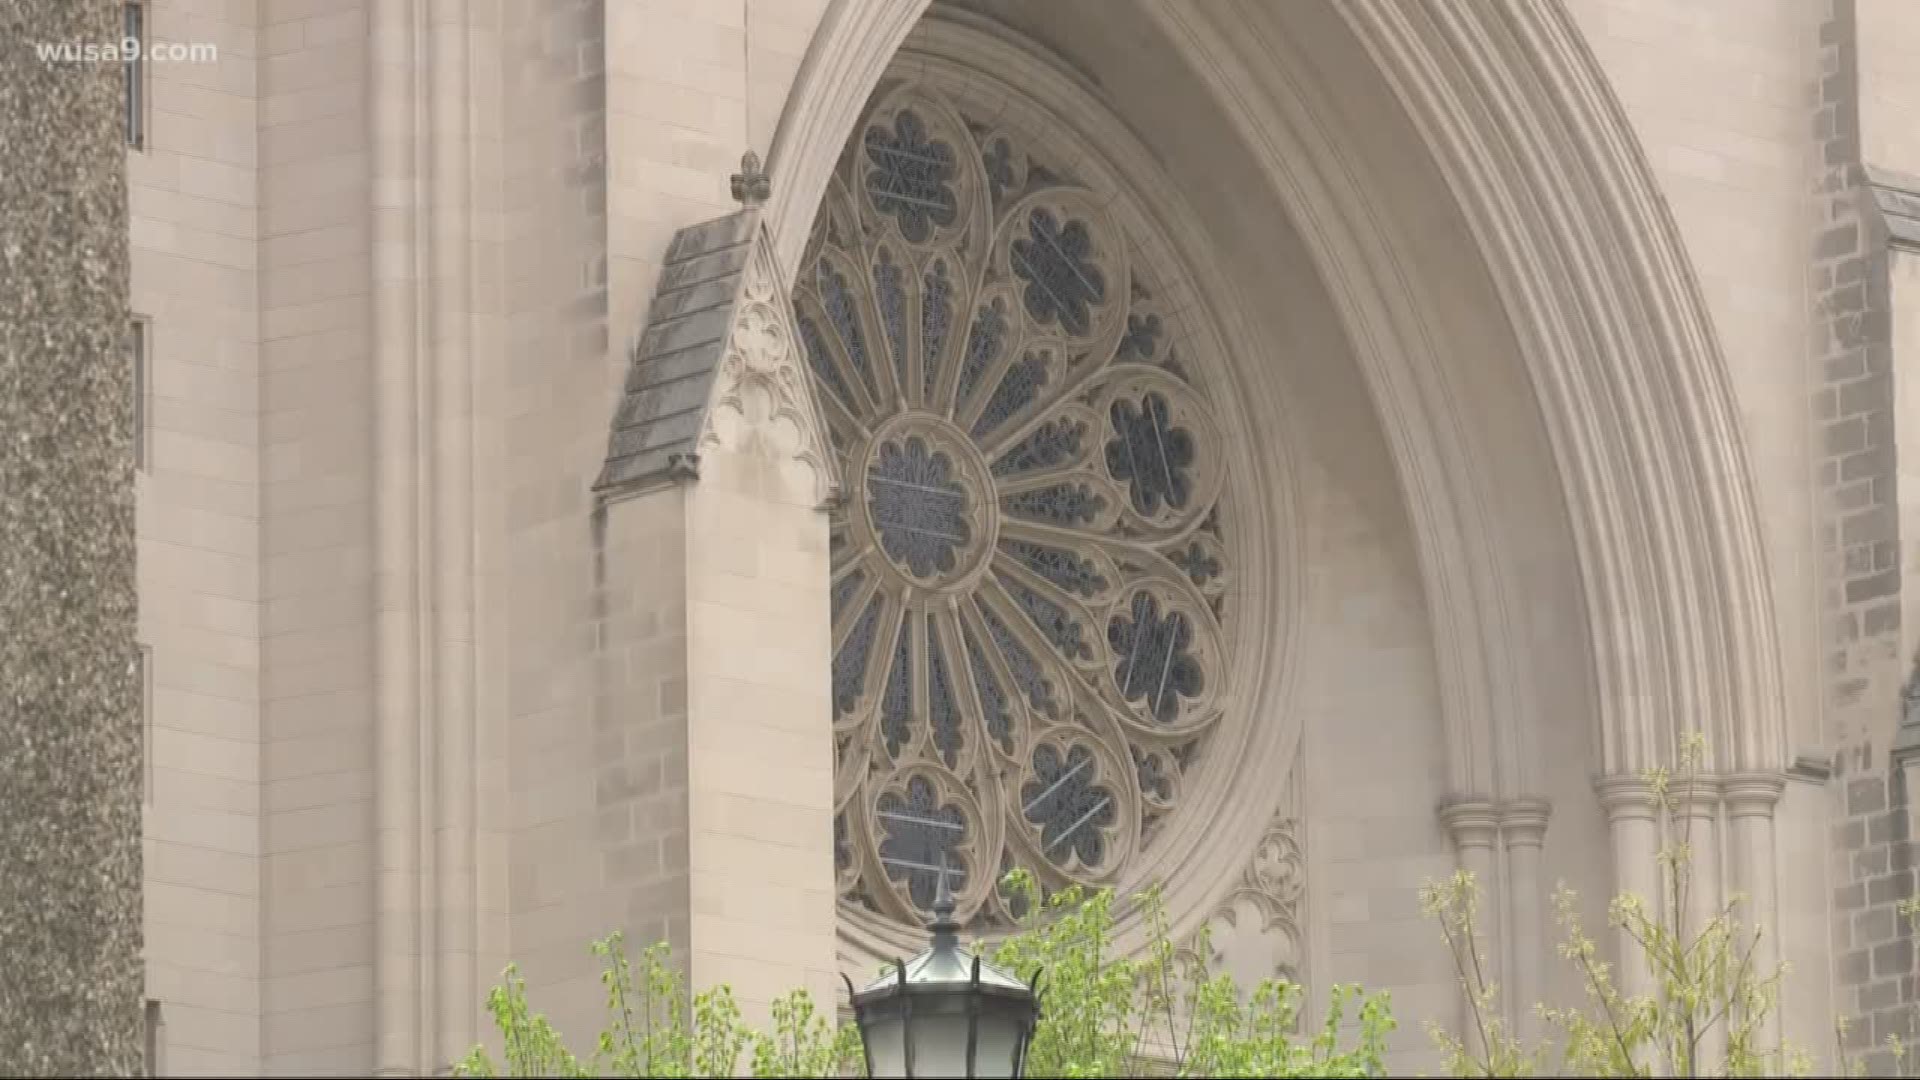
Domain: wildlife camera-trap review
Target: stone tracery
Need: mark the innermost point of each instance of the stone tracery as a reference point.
(1029, 575)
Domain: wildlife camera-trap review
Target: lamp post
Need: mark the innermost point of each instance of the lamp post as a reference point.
(945, 1013)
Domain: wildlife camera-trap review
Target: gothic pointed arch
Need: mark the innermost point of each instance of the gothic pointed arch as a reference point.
(1624, 366)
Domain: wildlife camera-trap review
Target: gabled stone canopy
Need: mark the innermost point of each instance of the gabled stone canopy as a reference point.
(664, 408)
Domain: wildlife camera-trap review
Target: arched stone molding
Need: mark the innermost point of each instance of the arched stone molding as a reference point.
(1543, 161)
(850, 50)
(1512, 107)
(1453, 477)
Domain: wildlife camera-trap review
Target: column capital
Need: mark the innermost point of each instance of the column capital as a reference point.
(1625, 796)
(1752, 794)
(1524, 820)
(1697, 796)
(1471, 819)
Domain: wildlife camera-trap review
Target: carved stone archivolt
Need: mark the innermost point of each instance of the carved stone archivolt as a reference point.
(1030, 570)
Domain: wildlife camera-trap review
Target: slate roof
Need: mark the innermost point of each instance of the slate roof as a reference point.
(664, 405)
(1897, 195)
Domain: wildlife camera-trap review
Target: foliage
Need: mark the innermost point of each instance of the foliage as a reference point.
(1162, 1013)
(653, 1030)
(1489, 1048)
(1709, 1003)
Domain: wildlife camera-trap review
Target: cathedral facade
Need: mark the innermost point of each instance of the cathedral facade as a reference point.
(716, 470)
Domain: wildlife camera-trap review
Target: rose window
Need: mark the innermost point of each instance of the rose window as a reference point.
(1029, 568)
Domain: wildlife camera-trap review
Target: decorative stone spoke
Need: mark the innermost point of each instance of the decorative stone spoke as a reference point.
(1069, 571)
(890, 295)
(1062, 628)
(996, 709)
(896, 702)
(820, 361)
(850, 660)
(1067, 504)
(986, 341)
(936, 323)
(1050, 445)
(844, 590)
(943, 703)
(843, 314)
(1020, 386)
(1025, 668)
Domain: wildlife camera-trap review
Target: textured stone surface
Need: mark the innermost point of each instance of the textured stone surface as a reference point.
(1861, 211)
(70, 984)
(1853, 404)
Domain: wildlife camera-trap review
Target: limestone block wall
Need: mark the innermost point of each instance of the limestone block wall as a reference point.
(760, 749)
(194, 199)
(1373, 770)
(316, 540)
(1873, 960)
(1889, 86)
(542, 882)
(70, 857)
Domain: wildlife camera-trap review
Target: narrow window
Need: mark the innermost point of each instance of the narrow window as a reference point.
(143, 678)
(156, 1027)
(137, 356)
(133, 70)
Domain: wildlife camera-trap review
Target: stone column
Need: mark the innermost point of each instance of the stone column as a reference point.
(1697, 825)
(400, 976)
(457, 994)
(1474, 825)
(1751, 799)
(1634, 828)
(70, 854)
(1523, 829)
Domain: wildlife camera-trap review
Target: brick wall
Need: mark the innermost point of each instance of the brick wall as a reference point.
(1860, 543)
(1853, 403)
(1873, 854)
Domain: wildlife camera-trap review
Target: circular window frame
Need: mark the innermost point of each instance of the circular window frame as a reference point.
(1235, 787)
